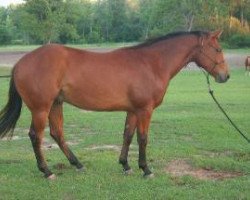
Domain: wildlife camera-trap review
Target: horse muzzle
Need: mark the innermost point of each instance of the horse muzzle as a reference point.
(222, 78)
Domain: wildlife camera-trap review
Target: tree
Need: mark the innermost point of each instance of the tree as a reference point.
(76, 21)
(84, 20)
(69, 15)
(5, 27)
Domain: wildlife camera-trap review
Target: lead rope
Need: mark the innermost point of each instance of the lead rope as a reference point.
(211, 92)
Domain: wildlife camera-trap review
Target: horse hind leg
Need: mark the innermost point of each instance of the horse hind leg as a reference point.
(56, 132)
(36, 135)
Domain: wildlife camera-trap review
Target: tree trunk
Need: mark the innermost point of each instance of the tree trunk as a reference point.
(190, 23)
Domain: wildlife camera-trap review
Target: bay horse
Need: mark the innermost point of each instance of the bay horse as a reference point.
(131, 79)
(247, 65)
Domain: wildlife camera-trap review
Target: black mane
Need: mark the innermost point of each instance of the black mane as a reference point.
(168, 36)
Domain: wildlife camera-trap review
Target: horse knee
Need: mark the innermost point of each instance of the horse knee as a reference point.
(53, 135)
(128, 138)
(142, 139)
(32, 134)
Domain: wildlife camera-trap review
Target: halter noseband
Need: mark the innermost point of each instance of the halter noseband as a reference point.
(218, 50)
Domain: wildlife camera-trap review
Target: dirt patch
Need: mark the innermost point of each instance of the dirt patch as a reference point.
(60, 166)
(178, 168)
(48, 145)
(9, 138)
(216, 154)
(104, 147)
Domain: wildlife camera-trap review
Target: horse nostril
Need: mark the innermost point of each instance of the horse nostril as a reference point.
(228, 76)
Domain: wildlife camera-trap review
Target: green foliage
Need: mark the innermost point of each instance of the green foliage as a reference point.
(239, 40)
(77, 21)
(5, 27)
(5, 37)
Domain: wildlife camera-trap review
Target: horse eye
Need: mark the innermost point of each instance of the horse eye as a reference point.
(219, 50)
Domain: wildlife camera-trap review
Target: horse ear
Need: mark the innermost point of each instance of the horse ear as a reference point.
(216, 34)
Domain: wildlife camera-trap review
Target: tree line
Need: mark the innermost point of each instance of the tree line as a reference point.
(98, 21)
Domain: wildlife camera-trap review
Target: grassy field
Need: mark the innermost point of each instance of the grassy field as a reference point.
(186, 127)
(238, 51)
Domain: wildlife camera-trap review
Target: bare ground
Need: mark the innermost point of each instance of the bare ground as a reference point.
(8, 59)
(181, 167)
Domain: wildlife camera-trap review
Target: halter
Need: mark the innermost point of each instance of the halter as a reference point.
(218, 50)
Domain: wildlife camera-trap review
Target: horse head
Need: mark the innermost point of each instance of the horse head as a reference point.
(210, 57)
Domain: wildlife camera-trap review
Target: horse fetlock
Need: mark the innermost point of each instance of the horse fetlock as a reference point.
(123, 161)
(76, 163)
(81, 169)
(128, 171)
(148, 176)
(126, 167)
(145, 169)
(44, 169)
(142, 163)
(79, 166)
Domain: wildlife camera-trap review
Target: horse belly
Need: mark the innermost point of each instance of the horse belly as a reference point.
(97, 97)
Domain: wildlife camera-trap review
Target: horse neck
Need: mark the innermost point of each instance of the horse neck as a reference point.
(174, 54)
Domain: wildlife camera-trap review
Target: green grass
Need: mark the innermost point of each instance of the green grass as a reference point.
(187, 125)
(238, 51)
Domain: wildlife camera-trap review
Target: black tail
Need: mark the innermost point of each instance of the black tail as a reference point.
(11, 112)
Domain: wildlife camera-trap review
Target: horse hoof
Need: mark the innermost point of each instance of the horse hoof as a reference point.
(149, 176)
(51, 177)
(80, 169)
(128, 172)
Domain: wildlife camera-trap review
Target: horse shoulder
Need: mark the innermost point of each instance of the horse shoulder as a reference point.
(147, 85)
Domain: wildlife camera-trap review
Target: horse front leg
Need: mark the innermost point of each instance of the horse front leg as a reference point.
(129, 130)
(144, 118)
